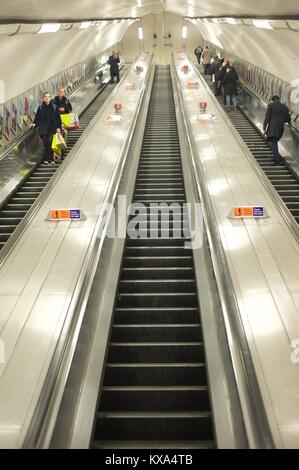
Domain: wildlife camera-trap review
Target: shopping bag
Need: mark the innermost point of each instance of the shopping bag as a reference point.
(74, 122)
(66, 119)
(58, 144)
(55, 148)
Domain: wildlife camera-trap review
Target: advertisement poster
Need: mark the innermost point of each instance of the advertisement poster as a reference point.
(36, 100)
(26, 106)
(32, 100)
(40, 92)
(14, 117)
(53, 88)
(6, 122)
(1, 125)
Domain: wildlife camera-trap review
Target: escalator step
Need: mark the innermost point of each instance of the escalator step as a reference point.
(156, 352)
(154, 425)
(155, 390)
(158, 398)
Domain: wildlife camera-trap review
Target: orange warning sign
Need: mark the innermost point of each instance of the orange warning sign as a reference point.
(243, 211)
(253, 212)
(65, 214)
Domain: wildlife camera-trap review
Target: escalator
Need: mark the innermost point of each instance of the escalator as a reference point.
(281, 177)
(12, 213)
(155, 391)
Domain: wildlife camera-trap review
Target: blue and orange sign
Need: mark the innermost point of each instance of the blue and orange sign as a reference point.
(65, 214)
(248, 212)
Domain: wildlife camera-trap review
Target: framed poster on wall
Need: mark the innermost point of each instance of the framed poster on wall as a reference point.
(32, 103)
(14, 117)
(26, 106)
(20, 107)
(1, 125)
(7, 121)
(53, 88)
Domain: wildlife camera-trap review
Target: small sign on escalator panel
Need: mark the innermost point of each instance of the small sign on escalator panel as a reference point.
(66, 215)
(248, 212)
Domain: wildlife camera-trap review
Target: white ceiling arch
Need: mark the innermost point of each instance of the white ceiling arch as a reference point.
(77, 10)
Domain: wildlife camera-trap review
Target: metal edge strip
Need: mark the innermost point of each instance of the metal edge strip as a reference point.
(254, 414)
(75, 310)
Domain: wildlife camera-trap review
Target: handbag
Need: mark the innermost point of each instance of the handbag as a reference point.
(70, 121)
(66, 119)
(58, 144)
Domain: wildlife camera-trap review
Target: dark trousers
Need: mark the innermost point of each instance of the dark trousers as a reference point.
(112, 77)
(198, 58)
(207, 69)
(217, 88)
(47, 141)
(274, 144)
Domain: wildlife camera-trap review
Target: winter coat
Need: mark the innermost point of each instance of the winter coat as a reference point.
(198, 52)
(229, 81)
(47, 119)
(64, 102)
(207, 56)
(215, 67)
(276, 116)
(113, 62)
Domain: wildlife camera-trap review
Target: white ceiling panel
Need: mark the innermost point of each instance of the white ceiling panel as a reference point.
(77, 10)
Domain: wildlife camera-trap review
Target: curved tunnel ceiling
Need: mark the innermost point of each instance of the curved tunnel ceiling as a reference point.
(77, 10)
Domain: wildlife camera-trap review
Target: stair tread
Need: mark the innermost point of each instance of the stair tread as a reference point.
(156, 364)
(154, 388)
(158, 325)
(153, 414)
(152, 444)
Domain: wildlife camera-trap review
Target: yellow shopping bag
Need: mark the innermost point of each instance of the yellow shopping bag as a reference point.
(66, 120)
(58, 144)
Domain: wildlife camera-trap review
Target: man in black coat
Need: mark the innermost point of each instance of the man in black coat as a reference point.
(198, 52)
(216, 75)
(62, 102)
(276, 116)
(114, 68)
(48, 122)
(229, 79)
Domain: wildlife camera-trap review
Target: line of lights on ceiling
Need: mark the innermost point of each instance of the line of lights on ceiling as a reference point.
(271, 24)
(184, 33)
(55, 27)
(263, 24)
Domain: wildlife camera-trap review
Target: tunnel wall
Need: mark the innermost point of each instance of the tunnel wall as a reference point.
(27, 59)
(275, 51)
(162, 46)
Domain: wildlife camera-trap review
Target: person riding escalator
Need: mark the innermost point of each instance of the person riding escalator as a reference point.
(48, 122)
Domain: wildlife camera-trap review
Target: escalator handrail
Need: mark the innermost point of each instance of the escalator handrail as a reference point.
(30, 131)
(4, 253)
(282, 208)
(254, 414)
(44, 418)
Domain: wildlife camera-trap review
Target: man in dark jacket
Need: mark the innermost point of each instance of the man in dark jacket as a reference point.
(276, 116)
(216, 75)
(48, 122)
(62, 102)
(114, 68)
(229, 80)
(198, 52)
